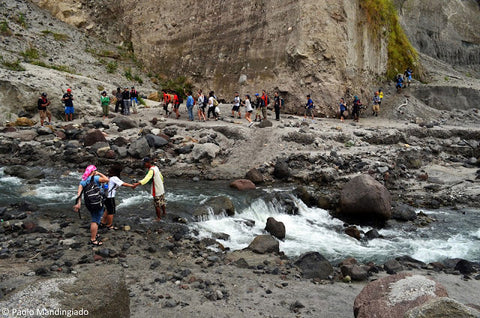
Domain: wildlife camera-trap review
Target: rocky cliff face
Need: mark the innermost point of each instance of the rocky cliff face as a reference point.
(444, 29)
(297, 47)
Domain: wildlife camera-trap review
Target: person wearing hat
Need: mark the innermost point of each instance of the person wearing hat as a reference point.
(42, 104)
(67, 99)
(158, 190)
(91, 172)
(105, 102)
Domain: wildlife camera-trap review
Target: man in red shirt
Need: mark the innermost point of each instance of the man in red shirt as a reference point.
(266, 101)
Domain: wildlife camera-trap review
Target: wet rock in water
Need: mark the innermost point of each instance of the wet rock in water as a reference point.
(139, 148)
(353, 231)
(372, 234)
(314, 265)
(124, 123)
(243, 184)
(303, 194)
(221, 236)
(403, 212)
(25, 172)
(363, 198)
(92, 137)
(255, 176)
(392, 266)
(465, 267)
(275, 228)
(217, 206)
(442, 307)
(264, 244)
(281, 170)
(155, 141)
(286, 203)
(393, 296)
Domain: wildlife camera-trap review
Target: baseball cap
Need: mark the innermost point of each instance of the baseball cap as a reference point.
(147, 159)
(257, 94)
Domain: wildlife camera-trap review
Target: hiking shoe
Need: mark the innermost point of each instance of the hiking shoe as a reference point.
(251, 124)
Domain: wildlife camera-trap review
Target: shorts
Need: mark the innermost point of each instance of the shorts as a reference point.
(159, 201)
(69, 110)
(44, 114)
(110, 206)
(235, 108)
(97, 216)
(176, 106)
(376, 108)
(309, 111)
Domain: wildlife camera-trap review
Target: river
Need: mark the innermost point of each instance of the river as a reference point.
(455, 234)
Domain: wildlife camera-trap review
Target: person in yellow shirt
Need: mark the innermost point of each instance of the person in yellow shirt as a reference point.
(158, 191)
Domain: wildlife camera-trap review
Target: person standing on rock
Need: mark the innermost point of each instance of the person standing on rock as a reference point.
(91, 176)
(236, 106)
(158, 190)
(67, 99)
(201, 104)
(105, 102)
(277, 104)
(134, 99)
(126, 101)
(118, 103)
(309, 109)
(264, 105)
(42, 104)
(190, 104)
(110, 206)
(248, 110)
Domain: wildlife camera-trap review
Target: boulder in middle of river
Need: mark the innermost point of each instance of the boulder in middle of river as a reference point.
(215, 206)
(364, 198)
(275, 228)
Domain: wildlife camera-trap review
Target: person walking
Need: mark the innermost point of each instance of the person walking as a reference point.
(166, 101)
(105, 102)
(357, 105)
(134, 99)
(176, 105)
(342, 108)
(118, 102)
(67, 99)
(201, 104)
(236, 106)
(190, 104)
(158, 190)
(42, 104)
(248, 110)
(258, 107)
(264, 105)
(277, 104)
(376, 104)
(91, 179)
(114, 183)
(211, 105)
(309, 109)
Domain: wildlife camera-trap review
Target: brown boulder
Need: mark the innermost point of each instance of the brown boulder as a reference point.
(353, 232)
(364, 198)
(23, 122)
(275, 228)
(264, 244)
(93, 136)
(154, 96)
(393, 296)
(255, 176)
(242, 184)
(442, 307)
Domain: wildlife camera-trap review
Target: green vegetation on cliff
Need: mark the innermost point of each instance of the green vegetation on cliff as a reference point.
(383, 20)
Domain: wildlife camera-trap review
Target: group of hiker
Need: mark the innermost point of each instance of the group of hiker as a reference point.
(99, 193)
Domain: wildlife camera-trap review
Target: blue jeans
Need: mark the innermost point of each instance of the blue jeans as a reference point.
(190, 112)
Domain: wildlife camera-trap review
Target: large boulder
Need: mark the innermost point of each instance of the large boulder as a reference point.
(25, 172)
(265, 123)
(255, 176)
(243, 184)
(356, 272)
(442, 307)
(392, 296)
(215, 206)
(124, 122)
(364, 198)
(264, 244)
(208, 150)
(314, 265)
(281, 170)
(139, 148)
(275, 228)
(155, 141)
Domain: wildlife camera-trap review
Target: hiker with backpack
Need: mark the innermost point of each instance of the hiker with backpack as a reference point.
(212, 104)
(110, 191)
(176, 105)
(264, 105)
(91, 189)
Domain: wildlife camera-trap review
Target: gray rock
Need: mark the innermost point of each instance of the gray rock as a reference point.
(314, 265)
(264, 244)
(403, 212)
(156, 141)
(25, 172)
(265, 123)
(392, 266)
(207, 150)
(139, 148)
(217, 206)
(124, 122)
(442, 307)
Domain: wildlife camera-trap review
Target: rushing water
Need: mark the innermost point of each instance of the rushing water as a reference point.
(455, 234)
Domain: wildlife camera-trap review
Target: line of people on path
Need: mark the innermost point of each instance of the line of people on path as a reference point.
(99, 193)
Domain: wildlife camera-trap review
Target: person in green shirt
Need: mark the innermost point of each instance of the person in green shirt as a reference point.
(105, 101)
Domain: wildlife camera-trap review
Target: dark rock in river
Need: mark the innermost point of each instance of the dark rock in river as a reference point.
(275, 228)
(255, 176)
(314, 265)
(363, 198)
(243, 184)
(24, 172)
(216, 205)
(392, 296)
(403, 212)
(353, 231)
(264, 244)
